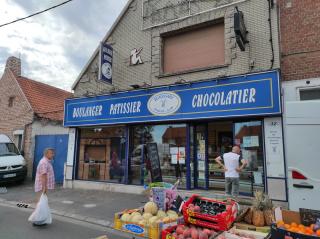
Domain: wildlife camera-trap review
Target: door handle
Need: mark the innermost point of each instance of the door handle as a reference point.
(302, 186)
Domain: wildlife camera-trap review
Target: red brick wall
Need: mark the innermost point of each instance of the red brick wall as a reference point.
(300, 39)
(19, 115)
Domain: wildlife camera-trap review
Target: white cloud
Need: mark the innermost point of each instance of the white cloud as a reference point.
(56, 45)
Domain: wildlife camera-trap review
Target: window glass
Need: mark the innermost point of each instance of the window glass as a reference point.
(102, 154)
(310, 94)
(171, 146)
(249, 136)
(220, 139)
(7, 149)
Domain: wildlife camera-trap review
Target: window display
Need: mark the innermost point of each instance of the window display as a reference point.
(102, 154)
(170, 141)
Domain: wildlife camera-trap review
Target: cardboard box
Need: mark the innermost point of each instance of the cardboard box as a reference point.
(249, 227)
(241, 234)
(151, 232)
(288, 217)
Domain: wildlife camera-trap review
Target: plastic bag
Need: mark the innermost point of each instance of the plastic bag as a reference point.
(42, 214)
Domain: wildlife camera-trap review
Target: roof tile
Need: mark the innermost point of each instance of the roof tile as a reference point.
(46, 101)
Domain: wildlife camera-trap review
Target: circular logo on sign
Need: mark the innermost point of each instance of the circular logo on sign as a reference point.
(106, 70)
(164, 103)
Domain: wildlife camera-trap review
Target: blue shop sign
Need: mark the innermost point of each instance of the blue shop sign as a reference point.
(246, 95)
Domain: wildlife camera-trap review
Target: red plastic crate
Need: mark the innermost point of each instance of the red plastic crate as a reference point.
(167, 233)
(221, 222)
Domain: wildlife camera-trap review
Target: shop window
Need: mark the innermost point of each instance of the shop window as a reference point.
(171, 145)
(196, 49)
(102, 154)
(249, 136)
(310, 94)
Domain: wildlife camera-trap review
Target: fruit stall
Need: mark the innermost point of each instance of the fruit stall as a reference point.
(168, 216)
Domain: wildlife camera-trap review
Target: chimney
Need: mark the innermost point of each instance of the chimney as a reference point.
(14, 64)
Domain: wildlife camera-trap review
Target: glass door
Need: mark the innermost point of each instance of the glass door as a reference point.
(249, 136)
(201, 157)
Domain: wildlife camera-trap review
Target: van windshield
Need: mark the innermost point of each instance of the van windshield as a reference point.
(8, 149)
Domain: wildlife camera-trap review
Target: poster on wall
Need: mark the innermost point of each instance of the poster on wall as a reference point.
(178, 154)
(274, 147)
(201, 165)
(202, 175)
(202, 144)
(251, 156)
(250, 141)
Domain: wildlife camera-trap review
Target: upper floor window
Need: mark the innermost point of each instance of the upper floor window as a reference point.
(195, 49)
(310, 94)
(10, 101)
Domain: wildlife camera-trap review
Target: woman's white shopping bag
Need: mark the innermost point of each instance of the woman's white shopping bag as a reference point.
(42, 214)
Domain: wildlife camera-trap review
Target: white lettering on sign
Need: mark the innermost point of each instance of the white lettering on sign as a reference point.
(89, 111)
(224, 98)
(125, 108)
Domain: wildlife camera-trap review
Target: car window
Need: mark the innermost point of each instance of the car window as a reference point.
(8, 149)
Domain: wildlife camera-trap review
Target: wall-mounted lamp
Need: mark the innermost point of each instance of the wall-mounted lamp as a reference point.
(240, 29)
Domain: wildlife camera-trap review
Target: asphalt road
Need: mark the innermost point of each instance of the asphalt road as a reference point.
(14, 225)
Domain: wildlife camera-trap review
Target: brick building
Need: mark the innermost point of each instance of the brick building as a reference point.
(300, 70)
(178, 65)
(29, 108)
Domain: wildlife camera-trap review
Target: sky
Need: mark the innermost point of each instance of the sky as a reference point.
(54, 46)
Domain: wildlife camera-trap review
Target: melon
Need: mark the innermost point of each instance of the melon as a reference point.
(161, 214)
(151, 207)
(125, 217)
(136, 218)
(135, 213)
(173, 216)
(171, 212)
(166, 219)
(153, 220)
(143, 222)
(147, 215)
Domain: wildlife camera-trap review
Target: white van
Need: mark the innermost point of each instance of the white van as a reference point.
(12, 164)
(302, 141)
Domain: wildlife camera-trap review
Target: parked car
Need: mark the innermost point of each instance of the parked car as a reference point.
(13, 166)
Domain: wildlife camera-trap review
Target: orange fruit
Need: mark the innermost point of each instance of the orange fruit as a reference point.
(280, 224)
(309, 231)
(318, 232)
(293, 224)
(286, 226)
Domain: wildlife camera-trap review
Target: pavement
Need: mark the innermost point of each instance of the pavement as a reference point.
(14, 224)
(93, 206)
